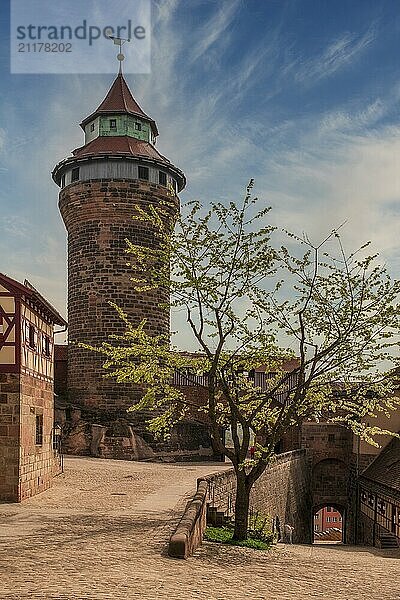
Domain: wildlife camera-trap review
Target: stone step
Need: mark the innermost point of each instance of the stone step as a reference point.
(216, 516)
(388, 540)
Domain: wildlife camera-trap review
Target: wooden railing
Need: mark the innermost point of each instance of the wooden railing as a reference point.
(262, 380)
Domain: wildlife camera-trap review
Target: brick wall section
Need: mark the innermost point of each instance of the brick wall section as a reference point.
(291, 440)
(283, 489)
(98, 218)
(330, 481)
(9, 436)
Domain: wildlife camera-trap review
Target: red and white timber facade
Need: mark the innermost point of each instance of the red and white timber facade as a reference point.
(28, 461)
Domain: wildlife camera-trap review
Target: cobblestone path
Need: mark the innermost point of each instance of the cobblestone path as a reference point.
(100, 534)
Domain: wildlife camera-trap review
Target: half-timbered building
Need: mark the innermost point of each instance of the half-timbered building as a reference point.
(379, 499)
(28, 458)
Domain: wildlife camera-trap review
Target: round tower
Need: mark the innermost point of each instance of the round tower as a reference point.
(117, 168)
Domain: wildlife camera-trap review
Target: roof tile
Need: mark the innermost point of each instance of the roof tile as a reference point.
(119, 99)
(385, 469)
(119, 145)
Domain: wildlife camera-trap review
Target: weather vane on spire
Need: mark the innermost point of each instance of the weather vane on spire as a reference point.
(119, 42)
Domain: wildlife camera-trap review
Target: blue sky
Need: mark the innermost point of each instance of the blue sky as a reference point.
(302, 95)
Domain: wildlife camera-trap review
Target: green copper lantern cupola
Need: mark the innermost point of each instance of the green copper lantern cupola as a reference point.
(119, 143)
(119, 115)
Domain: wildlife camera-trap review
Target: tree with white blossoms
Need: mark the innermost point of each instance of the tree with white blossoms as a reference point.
(252, 304)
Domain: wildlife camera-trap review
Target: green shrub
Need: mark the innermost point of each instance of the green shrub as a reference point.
(260, 527)
(223, 535)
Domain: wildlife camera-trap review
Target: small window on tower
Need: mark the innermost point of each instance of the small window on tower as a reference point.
(331, 437)
(75, 174)
(113, 123)
(162, 178)
(92, 127)
(138, 126)
(63, 181)
(39, 430)
(144, 173)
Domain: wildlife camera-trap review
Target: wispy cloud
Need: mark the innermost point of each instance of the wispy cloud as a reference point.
(14, 226)
(339, 53)
(215, 29)
(2, 139)
(348, 176)
(222, 123)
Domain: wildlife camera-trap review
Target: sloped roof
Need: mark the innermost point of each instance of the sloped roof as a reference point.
(28, 290)
(12, 285)
(119, 145)
(120, 100)
(385, 469)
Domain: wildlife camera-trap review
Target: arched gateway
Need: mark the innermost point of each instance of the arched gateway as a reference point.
(330, 490)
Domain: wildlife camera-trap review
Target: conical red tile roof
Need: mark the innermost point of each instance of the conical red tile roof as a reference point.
(119, 145)
(120, 100)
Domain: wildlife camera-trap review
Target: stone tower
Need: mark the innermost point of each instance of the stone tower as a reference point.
(117, 168)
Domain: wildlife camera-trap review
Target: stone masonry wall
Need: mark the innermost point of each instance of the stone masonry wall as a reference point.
(327, 441)
(283, 489)
(25, 467)
(9, 436)
(98, 218)
(38, 463)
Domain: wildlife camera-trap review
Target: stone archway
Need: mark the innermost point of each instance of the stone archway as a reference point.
(329, 488)
(328, 523)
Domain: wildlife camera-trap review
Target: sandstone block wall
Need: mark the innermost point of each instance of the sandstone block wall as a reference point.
(38, 463)
(9, 436)
(327, 440)
(283, 489)
(189, 533)
(98, 218)
(26, 468)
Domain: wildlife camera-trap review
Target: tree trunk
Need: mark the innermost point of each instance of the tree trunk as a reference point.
(241, 507)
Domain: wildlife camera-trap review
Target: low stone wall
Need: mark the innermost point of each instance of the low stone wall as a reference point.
(283, 490)
(189, 534)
